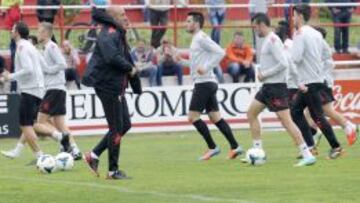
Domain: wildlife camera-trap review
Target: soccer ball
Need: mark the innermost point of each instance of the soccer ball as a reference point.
(255, 156)
(64, 161)
(46, 164)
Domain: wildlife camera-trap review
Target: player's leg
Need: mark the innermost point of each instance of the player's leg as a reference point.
(295, 133)
(313, 101)
(43, 126)
(348, 126)
(212, 108)
(225, 129)
(297, 114)
(313, 128)
(198, 102)
(16, 151)
(256, 107)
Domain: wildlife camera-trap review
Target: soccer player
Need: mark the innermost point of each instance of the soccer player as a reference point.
(30, 78)
(326, 95)
(274, 94)
(53, 105)
(108, 72)
(205, 54)
(307, 55)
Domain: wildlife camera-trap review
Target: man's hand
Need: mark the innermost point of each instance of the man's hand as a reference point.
(247, 64)
(260, 77)
(201, 70)
(303, 88)
(133, 72)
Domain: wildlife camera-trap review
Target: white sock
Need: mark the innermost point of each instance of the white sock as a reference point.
(39, 154)
(257, 144)
(57, 135)
(18, 148)
(349, 127)
(111, 173)
(94, 156)
(305, 151)
(75, 148)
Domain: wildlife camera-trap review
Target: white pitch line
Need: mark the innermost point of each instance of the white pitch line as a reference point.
(125, 190)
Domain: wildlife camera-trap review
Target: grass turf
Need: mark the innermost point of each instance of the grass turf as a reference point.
(164, 168)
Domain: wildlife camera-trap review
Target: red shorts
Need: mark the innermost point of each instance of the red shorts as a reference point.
(13, 15)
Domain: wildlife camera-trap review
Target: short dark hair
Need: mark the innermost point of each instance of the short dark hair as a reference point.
(283, 30)
(34, 39)
(261, 18)
(322, 31)
(197, 17)
(304, 10)
(238, 33)
(22, 29)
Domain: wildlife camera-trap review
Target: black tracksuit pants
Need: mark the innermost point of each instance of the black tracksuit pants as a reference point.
(312, 100)
(118, 119)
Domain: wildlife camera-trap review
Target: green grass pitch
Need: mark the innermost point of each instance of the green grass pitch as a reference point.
(164, 168)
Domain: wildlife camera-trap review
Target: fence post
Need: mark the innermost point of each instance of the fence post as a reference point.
(175, 24)
(61, 23)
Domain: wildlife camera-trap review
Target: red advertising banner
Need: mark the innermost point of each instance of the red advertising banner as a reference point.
(347, 95)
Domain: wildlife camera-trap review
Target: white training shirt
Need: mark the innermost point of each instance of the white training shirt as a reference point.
(307, 55)
(328, 64)
(54, 70)
(204, 52)
(292, 74)
(273, 62)
(28, 71)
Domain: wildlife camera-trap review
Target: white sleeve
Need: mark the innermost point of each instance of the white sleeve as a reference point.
(25, 63)
(297, 51)
(60, 62)
(214, 50)
(278, 53)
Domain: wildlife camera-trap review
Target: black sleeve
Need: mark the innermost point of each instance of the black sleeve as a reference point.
(109, 45)
(2, 64)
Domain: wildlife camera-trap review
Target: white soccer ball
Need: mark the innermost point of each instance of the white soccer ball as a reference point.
(46, 164)
(64, 161)
(256, 156)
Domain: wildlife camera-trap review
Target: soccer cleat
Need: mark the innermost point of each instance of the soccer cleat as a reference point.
(92, 163)
(117, 175)
(352, 137)
(210, 153)
(335, 153)
(65, 143)
(78, 156)
(11, 154)
(306, 162)
(313, 151)
(235, 152)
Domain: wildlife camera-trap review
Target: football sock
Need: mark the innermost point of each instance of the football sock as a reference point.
(39, 154)
(305, 151)
(18, 148)
(93, 155)
(202, 128)
(57, 135)
(349, 127)
(257, 144)
(225, 129)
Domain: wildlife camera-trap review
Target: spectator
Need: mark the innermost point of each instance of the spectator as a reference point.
(2, 64)
(142, 56)
(240, 57)
(72, 61)
(217, 18)
(12, 16)
(287, 9)
(47, 15)
(168, 63)
(341, 14)
(159, 17)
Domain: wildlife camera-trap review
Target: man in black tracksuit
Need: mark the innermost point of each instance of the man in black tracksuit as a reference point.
(109, 72)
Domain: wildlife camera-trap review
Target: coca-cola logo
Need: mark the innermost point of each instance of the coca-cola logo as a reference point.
(347, 102)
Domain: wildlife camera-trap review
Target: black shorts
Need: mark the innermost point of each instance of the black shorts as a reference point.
(29, 107)
(326, 95)
(292, 93)
(274, 96)
(54, 103)
(204, 97)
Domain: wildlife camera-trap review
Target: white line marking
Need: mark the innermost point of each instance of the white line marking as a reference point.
(125, 190)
